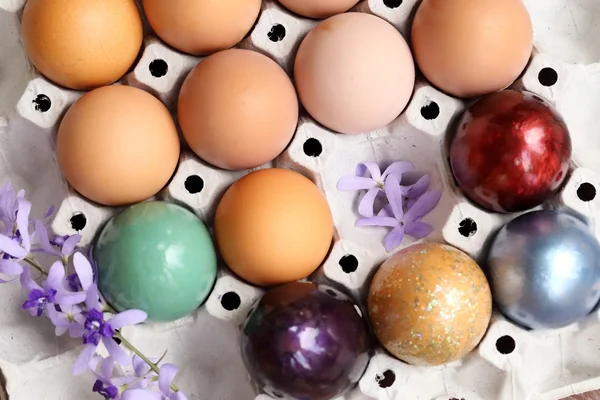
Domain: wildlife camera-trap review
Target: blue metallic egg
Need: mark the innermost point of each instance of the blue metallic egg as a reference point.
(544, 270)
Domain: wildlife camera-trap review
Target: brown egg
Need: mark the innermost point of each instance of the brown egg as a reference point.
(117, 145)
(471, 48)
(429, 304)
(318, 8)
(238, 109)
(273, 226)
(201, 26)
(82, 44)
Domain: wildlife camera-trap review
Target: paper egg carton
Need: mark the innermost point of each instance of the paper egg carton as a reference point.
(510, 363)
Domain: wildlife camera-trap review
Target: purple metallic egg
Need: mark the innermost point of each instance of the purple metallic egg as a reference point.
(305, 342)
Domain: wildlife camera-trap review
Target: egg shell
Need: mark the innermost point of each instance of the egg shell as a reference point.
(273, 226)
(354, 73)
(471, 48)
(429, 304)
(201, 27)
(117, 145)
(238, 109)
(83, 44)
(318, 8)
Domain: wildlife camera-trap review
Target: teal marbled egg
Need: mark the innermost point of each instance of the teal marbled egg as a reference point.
(157, 257)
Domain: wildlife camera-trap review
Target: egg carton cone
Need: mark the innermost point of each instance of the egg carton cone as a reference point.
(510, 363)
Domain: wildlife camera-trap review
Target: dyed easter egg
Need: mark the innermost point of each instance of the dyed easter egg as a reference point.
(156, 257)
(305, 341)
(429, 304)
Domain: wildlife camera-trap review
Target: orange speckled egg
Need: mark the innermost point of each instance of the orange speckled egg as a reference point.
(273, 226)
(201, 27)
(82, 44)
(430, 304)
(471, 48)
(117, 145)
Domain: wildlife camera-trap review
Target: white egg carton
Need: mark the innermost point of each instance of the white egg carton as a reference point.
(510, 363)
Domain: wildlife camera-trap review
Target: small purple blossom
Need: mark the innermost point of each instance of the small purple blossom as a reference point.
(105, 389)
(60, 246)
(104, 382)
(17, 244)
(394, 216)
(165, 379)
(374, 183)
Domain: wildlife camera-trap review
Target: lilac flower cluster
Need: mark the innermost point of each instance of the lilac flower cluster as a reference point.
(73, 304)
(403, 207)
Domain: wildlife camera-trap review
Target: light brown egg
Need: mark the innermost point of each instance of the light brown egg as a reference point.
(429, 304)
(273, 226)
(82, 44)
(354, 73)
(117, 145)
(318, 8)
(471, 48)
(238, 109)
(201, 27)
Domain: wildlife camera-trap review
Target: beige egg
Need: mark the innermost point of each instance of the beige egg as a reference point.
(82, 44)
(201, 27)
(471, 48)
(429, 304)
(117, 145)
(354, 73)
(318, 8)
(238, 109)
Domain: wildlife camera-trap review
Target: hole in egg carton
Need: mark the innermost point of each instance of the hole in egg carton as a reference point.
(78, 221)
(578, 196)
(397, 12)
(277, 33)
(194, 184)
(548, 77)
(231, 299)
(350, 265)
(545, 77)
(161, 70)
(43, 103)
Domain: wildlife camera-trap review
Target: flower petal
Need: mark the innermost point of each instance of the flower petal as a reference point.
(418, 230)
(141, 394)
(27, 282)
(9, 267)
(373, 169)
(394, 196)
(70, 299)
(76, 330)
(23, 219)
(83, 361)
(84, 270)
(69, 246)
(423, 206)
(41, 235)
(129, 317)
(386, 212)
(418, 189)
(93, 298)
(116, 351)
(397, 169)
(165, 378)
(49, 212)
(106, 368)
(377, 221)
(139, 366)
(394, 238)
(60, 330)
(56, 275)
(365, 207)
(355, 183)
(12, 248)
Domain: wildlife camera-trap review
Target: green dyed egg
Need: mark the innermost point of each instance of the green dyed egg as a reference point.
(156, 257)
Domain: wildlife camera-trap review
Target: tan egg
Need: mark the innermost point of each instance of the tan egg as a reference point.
(82, 44)
(429, 304)
(471, 48)
(238, 109)
(318, 8)
(354, 73)
(201, 27)
(117, 145)
(273, 226)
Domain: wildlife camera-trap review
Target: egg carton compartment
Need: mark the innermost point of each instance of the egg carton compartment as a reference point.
(511, 363)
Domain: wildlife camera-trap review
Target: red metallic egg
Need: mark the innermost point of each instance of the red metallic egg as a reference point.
(511, 152)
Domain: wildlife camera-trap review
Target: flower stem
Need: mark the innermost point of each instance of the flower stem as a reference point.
(152, 365)
(35, 265)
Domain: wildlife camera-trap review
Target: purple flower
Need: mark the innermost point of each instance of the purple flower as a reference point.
(103, 384)
(68, 318)
(17, 244)
(402, 223)
(373, 184)
(97, 329)
(8, 208)
(60, 246)
(165, 379)
(43, 298)
(10, 268)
